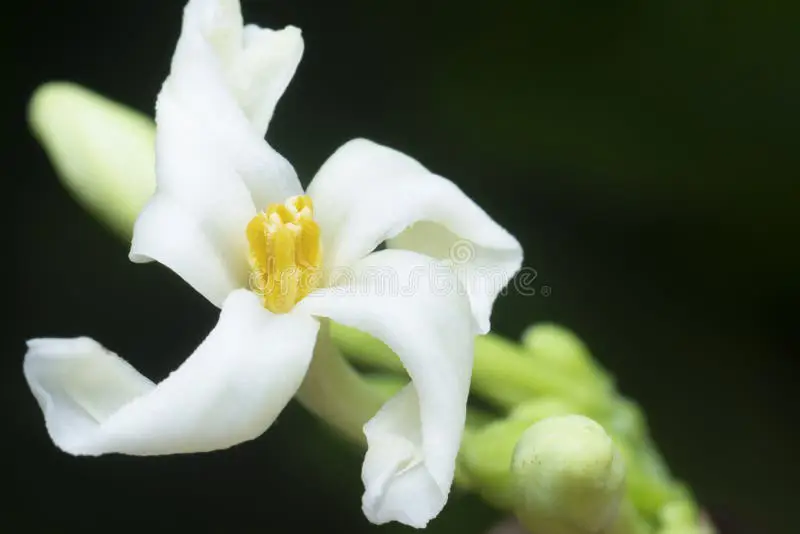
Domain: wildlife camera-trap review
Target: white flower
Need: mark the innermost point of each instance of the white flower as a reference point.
(307, 257)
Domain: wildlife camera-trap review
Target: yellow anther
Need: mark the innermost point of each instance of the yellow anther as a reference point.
(285, 253)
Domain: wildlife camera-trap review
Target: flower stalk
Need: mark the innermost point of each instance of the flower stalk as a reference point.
(503, 373)
(336, 393)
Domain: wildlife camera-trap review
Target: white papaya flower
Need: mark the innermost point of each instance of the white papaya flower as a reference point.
(230, 217)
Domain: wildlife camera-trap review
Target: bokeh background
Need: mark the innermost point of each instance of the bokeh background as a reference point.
(645, 154)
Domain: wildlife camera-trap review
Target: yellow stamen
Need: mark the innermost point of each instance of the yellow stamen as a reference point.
(285, 253)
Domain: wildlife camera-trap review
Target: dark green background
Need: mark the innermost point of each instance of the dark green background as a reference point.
(644, 153)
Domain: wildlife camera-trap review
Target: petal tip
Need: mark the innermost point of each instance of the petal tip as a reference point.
(45, 96)
(482, 325)
(293, 30)
(55, 345)
(288, 36)
(360, 143)
(394, 502)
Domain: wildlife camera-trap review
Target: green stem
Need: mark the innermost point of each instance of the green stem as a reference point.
(502, 372)
(336, 393)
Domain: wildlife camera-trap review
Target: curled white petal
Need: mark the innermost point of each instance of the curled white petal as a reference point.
(211, 115)
(230, 78)
(416, 306)
(367, 193)
(267, 64)
(256, 63)
(229, 391)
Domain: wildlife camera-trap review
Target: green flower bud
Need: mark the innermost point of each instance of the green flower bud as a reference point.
(683, 517)
(678, 514)
(563, 349)
(103, 152)
(628, 420)
(486, 452)
(568, 477)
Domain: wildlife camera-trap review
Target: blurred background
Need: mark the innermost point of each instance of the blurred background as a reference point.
(644, 153)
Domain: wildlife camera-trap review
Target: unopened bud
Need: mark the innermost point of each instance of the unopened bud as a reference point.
(563, 349)
(103, 152)
(628, 420)
(568, 476)
(486, 453)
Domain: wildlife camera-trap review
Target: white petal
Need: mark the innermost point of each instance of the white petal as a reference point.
(167, 232)
(367, 193)
(211, 115)
(415, 306)
(229, 391)
(268, 62)
(257, 63)
(483, 269)
(228, 79)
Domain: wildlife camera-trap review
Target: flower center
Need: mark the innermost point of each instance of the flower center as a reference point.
(285, 253)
